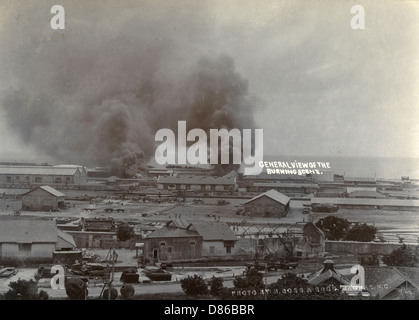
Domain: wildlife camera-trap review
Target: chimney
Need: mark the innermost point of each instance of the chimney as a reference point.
(328, 265)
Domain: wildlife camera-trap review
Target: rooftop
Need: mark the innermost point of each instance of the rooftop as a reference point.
(274, 195)
(185, 179)
(48, 189)
(20, 230)
(41, 170)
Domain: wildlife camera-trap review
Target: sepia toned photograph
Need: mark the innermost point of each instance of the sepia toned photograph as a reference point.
(230, 151)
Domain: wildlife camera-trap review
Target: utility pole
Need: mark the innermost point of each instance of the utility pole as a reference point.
(110, 260)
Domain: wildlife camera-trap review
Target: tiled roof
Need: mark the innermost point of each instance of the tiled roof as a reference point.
(274, 195)
(383, 280)
(324, 275)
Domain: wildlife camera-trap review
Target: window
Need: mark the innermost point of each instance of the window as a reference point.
(27, 178)
(68, 179)
(17, 178)
(38, 179)
(9, 179)
(169, 249)
(212, 249)
(25, 247)
(228, 249)
(57, 180)
(192, 243)
(162, 244)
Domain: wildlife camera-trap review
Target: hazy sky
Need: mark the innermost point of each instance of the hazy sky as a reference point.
(316, 86)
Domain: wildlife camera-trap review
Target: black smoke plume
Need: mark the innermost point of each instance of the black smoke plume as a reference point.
(97, 97)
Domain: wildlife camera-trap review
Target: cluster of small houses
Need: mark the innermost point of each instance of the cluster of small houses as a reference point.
(176, 241)
(26, 240)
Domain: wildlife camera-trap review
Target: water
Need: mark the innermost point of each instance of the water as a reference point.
(378, 167)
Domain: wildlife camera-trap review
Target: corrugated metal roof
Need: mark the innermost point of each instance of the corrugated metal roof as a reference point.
(48, 189)
(196, 180)
(212, 230)
(38, 170)
(173, 232)
(360, 179)
(365, 193)
(274, 195)
(208, 230)
(66, 237)
(368, 202)
(285, 185)
(322, 276)
(18, 230)
(52, 191)
(178, 222)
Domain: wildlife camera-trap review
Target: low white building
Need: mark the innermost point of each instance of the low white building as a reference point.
(24, 240)
(196, 183)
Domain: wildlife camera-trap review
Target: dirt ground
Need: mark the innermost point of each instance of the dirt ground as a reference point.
(391, 224)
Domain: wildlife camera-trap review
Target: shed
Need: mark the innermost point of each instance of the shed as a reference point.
(268, 204)
(43, 198)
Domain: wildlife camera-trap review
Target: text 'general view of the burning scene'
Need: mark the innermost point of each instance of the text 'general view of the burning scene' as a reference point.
(222, 150)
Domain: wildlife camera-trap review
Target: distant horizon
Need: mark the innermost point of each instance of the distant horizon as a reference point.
(358, 166)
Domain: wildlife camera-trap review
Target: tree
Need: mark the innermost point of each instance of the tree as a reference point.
(111, 294)
(127, 291)
(404, 256)
(253, 279)
(24, 290)
(369, 260)
(125, 232)
(76, 288)
(361, 232)
(194, 286)
(216, 285)
(334, 228)
(294, 287)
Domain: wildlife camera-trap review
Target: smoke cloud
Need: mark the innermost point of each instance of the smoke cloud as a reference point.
(96, 93)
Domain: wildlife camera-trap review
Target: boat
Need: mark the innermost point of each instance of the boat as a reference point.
(8, 272)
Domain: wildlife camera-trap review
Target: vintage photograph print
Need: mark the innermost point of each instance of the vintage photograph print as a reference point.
(231, 151)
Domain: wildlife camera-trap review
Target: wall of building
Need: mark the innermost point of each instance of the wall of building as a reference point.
(43, 178)
(67, 257)
(37, 201)
(179, 248)
(26, 253)
(245, 247)
(102, 240)
(266, 207)
(214, 249)
(194, 187)
(355, 247)
(300, 246)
